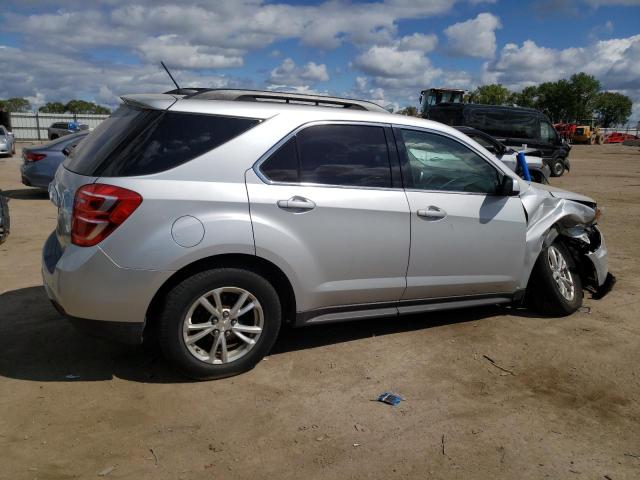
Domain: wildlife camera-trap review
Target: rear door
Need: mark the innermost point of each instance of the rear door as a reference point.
(327, 205)
(465, 239)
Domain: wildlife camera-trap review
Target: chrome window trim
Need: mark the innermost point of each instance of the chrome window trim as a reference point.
(256, 166)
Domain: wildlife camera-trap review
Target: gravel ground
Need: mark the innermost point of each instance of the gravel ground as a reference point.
(564, 404)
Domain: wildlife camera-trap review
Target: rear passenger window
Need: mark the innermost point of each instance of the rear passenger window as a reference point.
(349, 155)
(282, 166)
(140, 142)
(344, 155)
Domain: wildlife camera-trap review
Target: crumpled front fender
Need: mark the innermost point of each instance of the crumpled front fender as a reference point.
(549, 216)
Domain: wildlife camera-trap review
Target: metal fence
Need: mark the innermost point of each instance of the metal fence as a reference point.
(635, 130)
(33, 125)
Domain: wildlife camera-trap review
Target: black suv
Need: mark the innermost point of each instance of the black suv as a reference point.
(512, 126)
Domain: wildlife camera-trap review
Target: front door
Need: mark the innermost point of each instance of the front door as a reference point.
(465, 239)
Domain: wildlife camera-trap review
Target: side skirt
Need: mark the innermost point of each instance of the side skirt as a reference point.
(406, 307)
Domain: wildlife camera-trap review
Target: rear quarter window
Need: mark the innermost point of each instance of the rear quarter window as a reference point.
(140, 142)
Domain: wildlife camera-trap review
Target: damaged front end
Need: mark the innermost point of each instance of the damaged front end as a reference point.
(553, 213)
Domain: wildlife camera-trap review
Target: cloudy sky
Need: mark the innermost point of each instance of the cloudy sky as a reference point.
(383, 50)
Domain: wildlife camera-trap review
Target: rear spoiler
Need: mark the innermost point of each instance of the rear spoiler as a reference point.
(155, 101)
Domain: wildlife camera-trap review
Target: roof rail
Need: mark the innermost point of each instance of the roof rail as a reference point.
(241, 95)
(186, 91)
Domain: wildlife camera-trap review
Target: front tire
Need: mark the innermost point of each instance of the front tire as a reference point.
(219, 323)
(555, 287)
(557, 167)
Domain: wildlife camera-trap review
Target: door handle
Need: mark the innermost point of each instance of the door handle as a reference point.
(432, 213)
(296, 204)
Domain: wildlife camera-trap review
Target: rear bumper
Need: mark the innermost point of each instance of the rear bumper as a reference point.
(98, 295)
(32, 176)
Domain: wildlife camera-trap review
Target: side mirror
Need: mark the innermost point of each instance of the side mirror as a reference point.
(507, 187)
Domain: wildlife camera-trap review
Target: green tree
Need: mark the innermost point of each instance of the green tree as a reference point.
(409, 111)
(584, 91)
(82, 106)
(494, 94)
(555, 99)
(53, 107)
(528, 97)
(102, 110)
(15, 104)
(612, 108)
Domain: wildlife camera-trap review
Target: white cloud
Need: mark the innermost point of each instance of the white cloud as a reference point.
(391, 62)
(243, 25)
(47, 76)
(289, 74)
(171, 50)
(418, 41)
(191, 36)
(399, 69)
(615, 62)
(475, 37)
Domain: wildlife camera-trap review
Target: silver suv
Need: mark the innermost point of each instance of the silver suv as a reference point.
(215, 218)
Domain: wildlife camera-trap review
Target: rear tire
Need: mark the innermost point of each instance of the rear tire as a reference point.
(557, 167)
(202, 333)
(555, 287)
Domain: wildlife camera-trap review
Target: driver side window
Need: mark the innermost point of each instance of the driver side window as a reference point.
(547, 132)
(436, 162)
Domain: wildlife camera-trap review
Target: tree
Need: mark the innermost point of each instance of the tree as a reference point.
(409, 111)
(556, 100)
(612, 108)
(15, 104)
(494, 94)
(584, 90)
(53, 107)
(102, 110)
(82, 106)
(528, 97)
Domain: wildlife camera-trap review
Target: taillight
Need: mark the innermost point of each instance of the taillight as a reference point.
(99, 209)
(34, 157)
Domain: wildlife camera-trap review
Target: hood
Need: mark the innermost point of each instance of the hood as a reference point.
(564, 194)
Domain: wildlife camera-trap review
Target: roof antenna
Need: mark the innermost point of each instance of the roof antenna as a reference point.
(170, 76)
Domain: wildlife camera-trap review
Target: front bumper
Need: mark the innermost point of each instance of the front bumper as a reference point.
(600, 260)
(101, 297)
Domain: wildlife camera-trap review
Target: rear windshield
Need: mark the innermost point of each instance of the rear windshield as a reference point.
(135, 141)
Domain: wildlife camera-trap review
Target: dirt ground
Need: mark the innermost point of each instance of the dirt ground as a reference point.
(565, 406)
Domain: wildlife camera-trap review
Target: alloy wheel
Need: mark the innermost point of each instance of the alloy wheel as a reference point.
(223, 325)
(561, 273)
